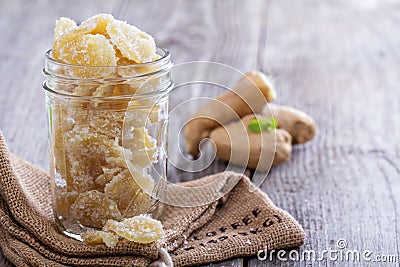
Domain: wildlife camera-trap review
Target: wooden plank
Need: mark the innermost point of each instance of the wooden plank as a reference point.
(329, 61)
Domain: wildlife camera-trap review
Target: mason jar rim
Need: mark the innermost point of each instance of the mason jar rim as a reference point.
(164, 60)
(165, 57)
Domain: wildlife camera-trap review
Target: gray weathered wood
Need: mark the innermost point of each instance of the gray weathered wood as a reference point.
(339, 61)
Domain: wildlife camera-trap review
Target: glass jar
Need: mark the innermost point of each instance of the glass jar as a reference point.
(107, 140)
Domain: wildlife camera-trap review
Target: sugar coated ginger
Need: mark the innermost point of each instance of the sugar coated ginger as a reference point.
(139, 229)
(101, 40)
(93, 181)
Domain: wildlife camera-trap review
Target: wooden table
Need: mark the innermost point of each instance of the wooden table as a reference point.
(337, 60)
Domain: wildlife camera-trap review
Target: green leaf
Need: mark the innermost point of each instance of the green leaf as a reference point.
(262, 125)
(274, 123)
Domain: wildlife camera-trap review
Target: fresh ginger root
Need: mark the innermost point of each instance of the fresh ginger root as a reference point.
(237, 144)
(299, 124)
(249, 95)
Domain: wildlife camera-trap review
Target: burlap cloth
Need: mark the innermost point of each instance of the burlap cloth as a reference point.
(240, 224)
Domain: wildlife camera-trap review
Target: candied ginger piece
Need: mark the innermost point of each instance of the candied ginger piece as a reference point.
(97, 24)
(103, 90)
(146, 182)
(108, 175)
(95, 237)
(136, 117)
(84, 50)
(149, 68)
(143, 146)
(105, 122)
(140, 229)
(133, 43)
(64, 26)
(128, 67)
(135, 69)
(87, 153)
(85, 90)
(93, 209)
(144, 139)
(124, 89)
(142, 204)
(116, 162)
(154, 113)
(128, 195)
(123, 61)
